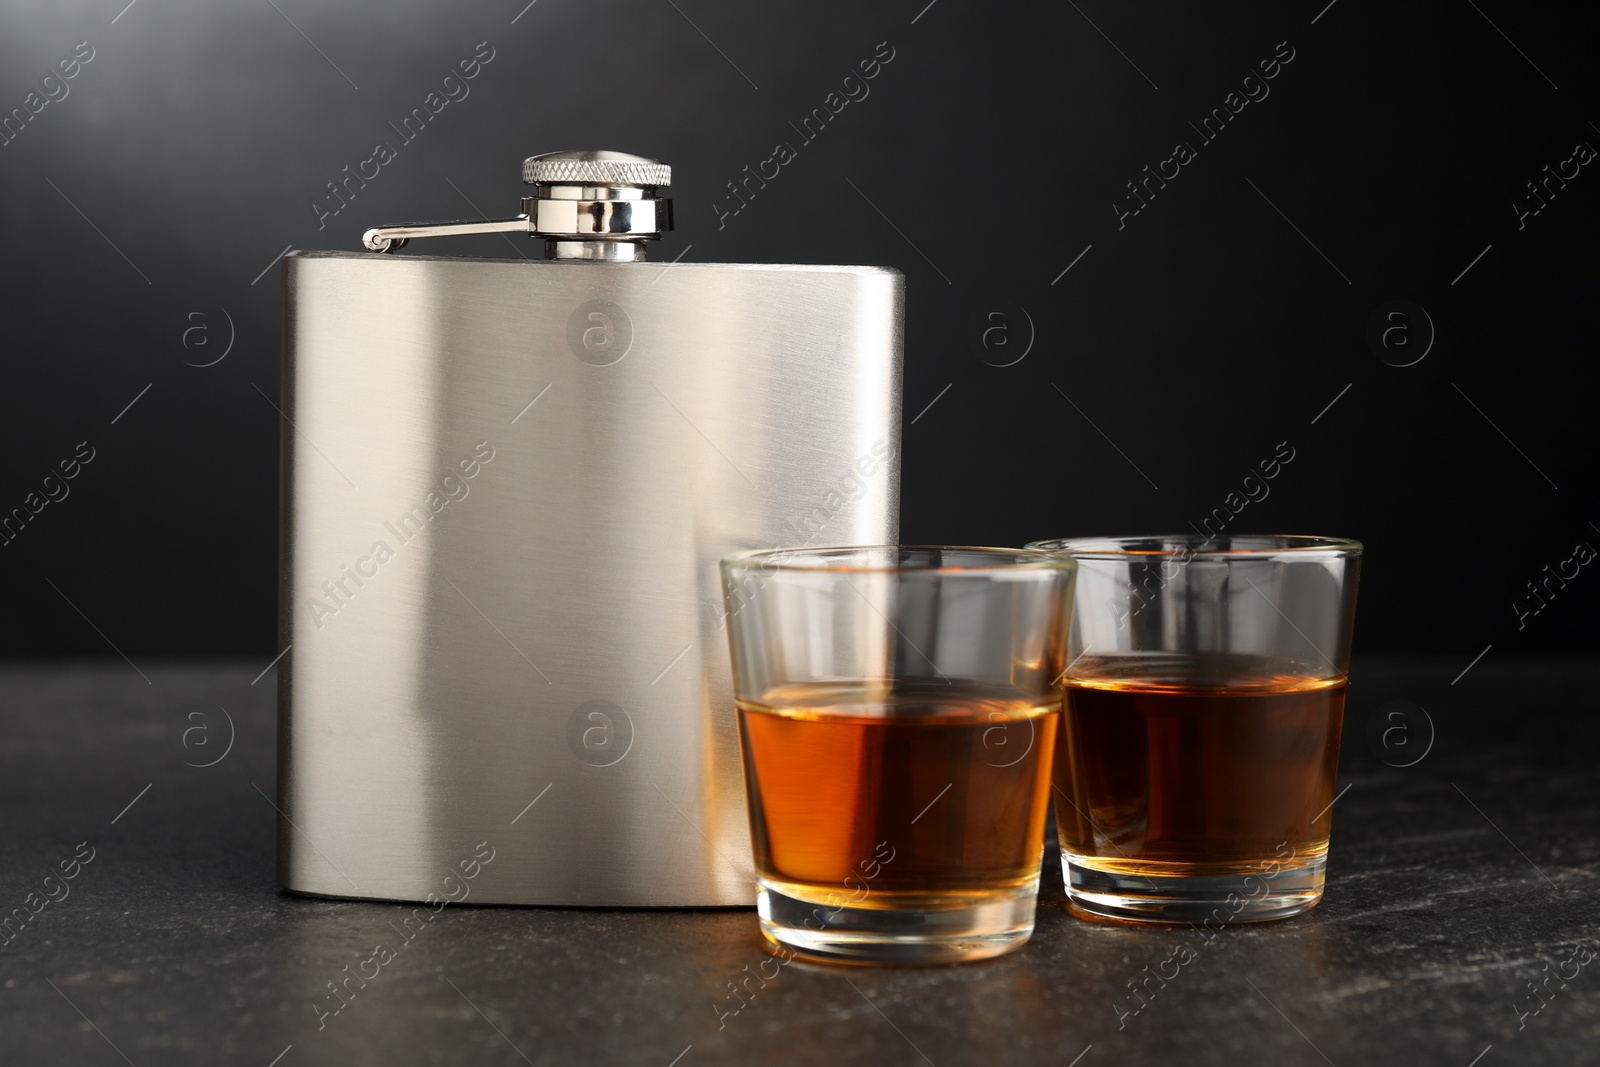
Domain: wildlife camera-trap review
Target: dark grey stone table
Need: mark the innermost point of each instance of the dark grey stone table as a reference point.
(1462, 899)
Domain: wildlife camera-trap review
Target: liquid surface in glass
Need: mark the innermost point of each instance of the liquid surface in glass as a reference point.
(1196, 764)
(924, 794)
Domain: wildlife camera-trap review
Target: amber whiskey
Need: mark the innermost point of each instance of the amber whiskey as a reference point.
(927, 794)
(1196, 765)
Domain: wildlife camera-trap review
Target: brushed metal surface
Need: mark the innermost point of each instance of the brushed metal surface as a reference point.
(455, 679)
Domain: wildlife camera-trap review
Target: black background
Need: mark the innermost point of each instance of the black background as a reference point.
(189, 152)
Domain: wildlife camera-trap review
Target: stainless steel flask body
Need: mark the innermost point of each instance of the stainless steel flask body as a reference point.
(506, 485)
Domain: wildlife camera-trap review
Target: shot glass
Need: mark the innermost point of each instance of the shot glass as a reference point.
(1203, 697)
(897, 715)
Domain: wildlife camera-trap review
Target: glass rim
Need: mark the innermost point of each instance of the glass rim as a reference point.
(836, 559)
(1194, 546)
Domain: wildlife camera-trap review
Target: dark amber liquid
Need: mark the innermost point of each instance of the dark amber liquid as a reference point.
(1196, 765)
(925, 795)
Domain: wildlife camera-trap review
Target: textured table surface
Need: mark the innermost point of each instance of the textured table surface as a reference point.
(1458, 883)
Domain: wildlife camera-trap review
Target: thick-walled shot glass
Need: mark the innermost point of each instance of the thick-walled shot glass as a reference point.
(1203, 697)
(898, 709)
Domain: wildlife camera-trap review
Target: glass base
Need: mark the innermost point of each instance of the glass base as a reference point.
(810, 930)
(1245, 897)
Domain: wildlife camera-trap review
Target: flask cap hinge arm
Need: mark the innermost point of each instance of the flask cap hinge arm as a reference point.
(391, 238)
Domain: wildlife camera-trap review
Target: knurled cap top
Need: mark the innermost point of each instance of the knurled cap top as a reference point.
(595, 168)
